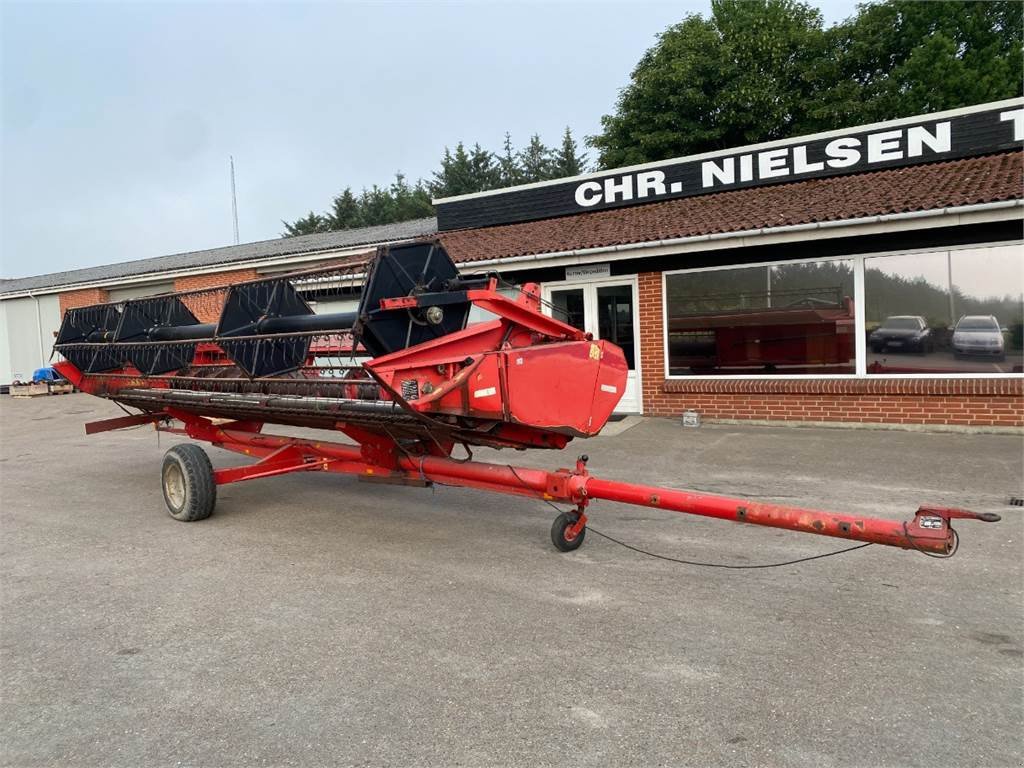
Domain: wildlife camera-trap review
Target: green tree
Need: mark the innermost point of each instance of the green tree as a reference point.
(484, 169)
(411, 202)
(463, 172)
(399, 201)
(903, 58)
(346, 212)
(766, 69)
(744, 75)
(376, 206)
(535, 161)
(568, 160)
(306, 226)
(509, 172)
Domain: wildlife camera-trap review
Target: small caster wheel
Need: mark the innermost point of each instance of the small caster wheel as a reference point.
(561, 537)
(190, 492)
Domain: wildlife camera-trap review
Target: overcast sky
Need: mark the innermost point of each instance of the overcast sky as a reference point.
(118, 119)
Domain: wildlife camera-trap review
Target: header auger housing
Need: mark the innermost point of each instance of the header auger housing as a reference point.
(405, 375)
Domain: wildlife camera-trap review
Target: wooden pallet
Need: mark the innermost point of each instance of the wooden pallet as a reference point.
(40, 388)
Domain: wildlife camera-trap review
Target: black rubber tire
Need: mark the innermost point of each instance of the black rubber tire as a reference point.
(196, 497)
(558, 528)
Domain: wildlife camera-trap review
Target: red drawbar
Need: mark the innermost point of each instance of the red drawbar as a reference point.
(929, 531)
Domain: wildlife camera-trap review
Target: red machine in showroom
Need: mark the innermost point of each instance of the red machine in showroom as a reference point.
(406, 377)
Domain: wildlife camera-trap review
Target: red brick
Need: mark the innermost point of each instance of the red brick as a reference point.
(82, 298)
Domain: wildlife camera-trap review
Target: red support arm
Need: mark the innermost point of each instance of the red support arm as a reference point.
(121, 422)
(930, 530)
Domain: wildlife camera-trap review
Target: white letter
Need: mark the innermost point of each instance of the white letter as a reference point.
(918, 138)
(884, 146)
(725, 175)
(650, 182)
(843, 152)
(772, 163)
(581, 193)
(800, 164)
(746, 167)
(1017, 117)
(623, 187)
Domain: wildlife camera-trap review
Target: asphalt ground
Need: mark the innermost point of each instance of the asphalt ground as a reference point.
(316, 620)
(943, 361)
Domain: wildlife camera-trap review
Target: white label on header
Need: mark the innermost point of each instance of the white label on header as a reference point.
(588, 271)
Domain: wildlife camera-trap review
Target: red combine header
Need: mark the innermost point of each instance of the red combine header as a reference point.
(406, 377)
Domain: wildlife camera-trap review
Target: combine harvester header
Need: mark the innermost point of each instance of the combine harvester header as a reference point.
(218, 364)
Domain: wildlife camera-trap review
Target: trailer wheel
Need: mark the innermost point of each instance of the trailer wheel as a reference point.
(187, 480)
(560, 533)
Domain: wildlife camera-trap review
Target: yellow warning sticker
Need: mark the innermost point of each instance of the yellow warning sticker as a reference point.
(595, 352)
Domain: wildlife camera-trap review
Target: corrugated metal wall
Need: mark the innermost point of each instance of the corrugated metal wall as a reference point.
(25, 341)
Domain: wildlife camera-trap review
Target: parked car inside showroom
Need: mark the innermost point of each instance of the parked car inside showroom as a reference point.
(979, 335)
(902, 333)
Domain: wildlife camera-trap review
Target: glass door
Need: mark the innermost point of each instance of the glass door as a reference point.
(569, 306)
(615, 318)
(607, 309)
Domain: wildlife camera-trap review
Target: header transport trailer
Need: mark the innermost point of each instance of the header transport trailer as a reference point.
(217, 365)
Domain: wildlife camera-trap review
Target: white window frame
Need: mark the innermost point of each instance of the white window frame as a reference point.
(860, 341)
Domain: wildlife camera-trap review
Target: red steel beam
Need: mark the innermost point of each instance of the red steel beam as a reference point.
(934, 535)
(929, 531)
(120, 422)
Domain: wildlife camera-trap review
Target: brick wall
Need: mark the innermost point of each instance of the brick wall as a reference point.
(965, 402)
(83, 298)
(207, 306)
(214, 279)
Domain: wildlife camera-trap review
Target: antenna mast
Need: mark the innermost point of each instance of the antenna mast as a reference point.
(234, 201)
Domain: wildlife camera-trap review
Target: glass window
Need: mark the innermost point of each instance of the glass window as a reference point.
(946, 312)
(765, 320)
(567, 306)
(479, 315)
(615, 318)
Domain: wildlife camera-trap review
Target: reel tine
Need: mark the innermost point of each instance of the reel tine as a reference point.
(139, 317)
(246, 306)
(83, 338)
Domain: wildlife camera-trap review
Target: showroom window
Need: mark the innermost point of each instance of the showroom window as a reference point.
(786, 319)
(959, 311)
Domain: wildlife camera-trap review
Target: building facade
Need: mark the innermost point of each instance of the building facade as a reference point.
(869, 275)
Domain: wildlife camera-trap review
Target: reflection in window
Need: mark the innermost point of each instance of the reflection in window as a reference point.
(945, 312)
(480, 315)
(615, 318)
(786, 319)
(567, 306)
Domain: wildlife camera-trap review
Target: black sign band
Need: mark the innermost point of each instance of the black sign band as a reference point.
(902, 143)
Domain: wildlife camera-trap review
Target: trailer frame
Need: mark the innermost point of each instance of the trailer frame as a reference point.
(377, 459)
